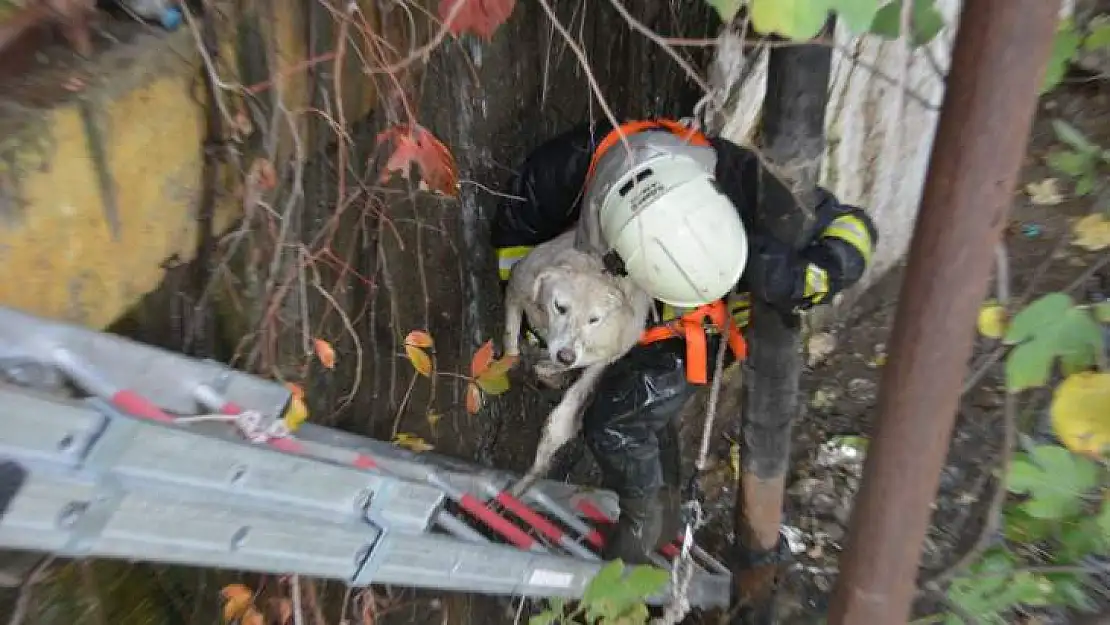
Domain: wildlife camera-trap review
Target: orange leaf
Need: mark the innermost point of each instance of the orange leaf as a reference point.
(473, 398)
(239, 599)
(263, 174)
(415, 145)
(252, 617)
(481, 17)
(324, 352)
(419, 338)
(420, 360)
(482, 359)
(295, 390)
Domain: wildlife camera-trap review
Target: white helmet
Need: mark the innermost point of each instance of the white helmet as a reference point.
(680, 238)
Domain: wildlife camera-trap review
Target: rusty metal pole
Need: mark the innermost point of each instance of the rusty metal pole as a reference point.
(999, 60)
(793, 145)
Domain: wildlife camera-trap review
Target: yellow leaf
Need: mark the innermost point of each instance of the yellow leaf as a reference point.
(238, 599)
(324, 352)
(433, 419)
(493, 382)
(411, 442)
(1092, 233)
(1081, 412)
(992, 320)
(295, 414)
(734, 459)
(1045, 192)
(794, 19)
(420, 360)
(419, 338)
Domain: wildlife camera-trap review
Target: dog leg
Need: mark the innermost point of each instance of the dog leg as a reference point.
(514, 316)
(562, 425)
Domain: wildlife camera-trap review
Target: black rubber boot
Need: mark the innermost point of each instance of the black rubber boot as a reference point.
(636, 532)
(671, 509)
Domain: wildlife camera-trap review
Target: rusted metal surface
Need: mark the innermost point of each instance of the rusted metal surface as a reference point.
(999, 59)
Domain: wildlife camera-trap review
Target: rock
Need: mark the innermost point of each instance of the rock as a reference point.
(862, 389)
(819, 346)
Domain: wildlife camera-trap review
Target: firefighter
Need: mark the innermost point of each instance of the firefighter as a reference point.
(674, 209)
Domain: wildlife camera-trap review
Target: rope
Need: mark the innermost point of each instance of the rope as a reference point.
(250, 423)
(683, 571)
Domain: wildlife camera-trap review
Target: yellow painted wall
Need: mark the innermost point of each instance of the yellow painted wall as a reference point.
(58, 256)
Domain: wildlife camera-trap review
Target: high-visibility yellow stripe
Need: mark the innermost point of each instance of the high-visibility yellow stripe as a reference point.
(817, 284)
(508, 256)
(851, 230)
(740, 307)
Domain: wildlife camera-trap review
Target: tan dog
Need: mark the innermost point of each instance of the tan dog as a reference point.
(588, 319)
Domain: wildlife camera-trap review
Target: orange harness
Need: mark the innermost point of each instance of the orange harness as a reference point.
(690, 327)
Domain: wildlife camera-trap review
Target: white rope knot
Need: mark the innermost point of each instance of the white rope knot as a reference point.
(253, 425)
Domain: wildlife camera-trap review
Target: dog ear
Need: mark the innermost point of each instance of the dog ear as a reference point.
(537, 284)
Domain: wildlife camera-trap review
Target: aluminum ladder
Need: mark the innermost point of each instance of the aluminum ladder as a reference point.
(161, 458)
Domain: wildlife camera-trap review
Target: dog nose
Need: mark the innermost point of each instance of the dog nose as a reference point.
(565, 356)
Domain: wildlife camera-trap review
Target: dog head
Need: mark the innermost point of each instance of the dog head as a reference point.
(587, 315)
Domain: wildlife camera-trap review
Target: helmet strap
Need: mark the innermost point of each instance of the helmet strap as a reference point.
(614, 264)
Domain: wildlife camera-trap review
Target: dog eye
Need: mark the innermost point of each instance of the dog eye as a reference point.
(559, 308)
(594, 320)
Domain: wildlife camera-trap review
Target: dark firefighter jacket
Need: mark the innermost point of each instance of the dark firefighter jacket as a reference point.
(550, 183)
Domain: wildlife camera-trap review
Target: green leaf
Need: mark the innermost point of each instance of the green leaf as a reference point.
(1069, 590)
(1064, 48)
(1055, 480)
(645, 581)
(727, 9)
(1022, 528)
(1085, 185)
(856, 15)
(1078, 539)
(1072, 136)
(927, 21)
(1099, 36)
(1102, 312)
(1027, 323)
(1102, 522)
(603, 583)
(794, 19)
(1029, 365)
(1071, 163)
(1050, 327)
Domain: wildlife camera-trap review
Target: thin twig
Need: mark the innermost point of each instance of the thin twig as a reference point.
(584, 62)
(23, 603)
(640, 27)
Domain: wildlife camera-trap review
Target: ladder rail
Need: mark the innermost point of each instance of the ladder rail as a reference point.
(117, 475)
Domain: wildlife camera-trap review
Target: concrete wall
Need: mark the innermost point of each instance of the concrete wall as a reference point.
(878, 142)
